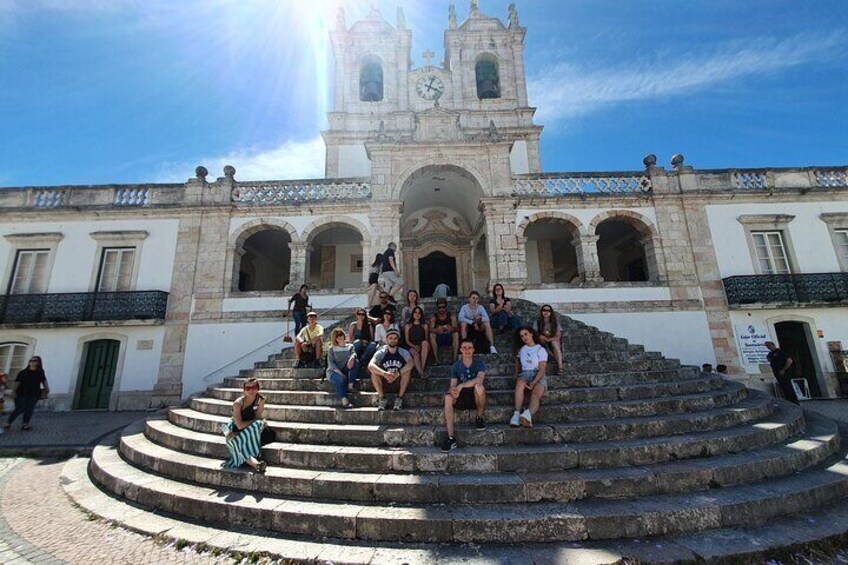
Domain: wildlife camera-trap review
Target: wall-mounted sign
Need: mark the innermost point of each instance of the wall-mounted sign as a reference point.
(752, 339)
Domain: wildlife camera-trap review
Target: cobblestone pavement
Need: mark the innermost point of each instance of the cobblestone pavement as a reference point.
(40, 525)
(64, 429)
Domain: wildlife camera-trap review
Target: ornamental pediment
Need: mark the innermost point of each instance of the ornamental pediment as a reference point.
(438, 124)
(431, 221)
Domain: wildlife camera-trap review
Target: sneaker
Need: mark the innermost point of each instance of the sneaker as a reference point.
(346, 403)
(492, 350)
(382, 404)
(449, 444)
(526, 419)
(479, 423)
(514, 421)
(398, 403)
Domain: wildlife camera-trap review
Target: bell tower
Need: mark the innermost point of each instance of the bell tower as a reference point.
(371, 86)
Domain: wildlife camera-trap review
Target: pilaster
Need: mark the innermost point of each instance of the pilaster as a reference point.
(297, 275)
(588, 264)
(507, 259)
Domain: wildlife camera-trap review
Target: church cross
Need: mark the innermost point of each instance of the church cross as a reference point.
(428, 54)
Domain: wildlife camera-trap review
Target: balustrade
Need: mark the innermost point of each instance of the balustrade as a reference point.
(563, 184)
(83, 307)
(786, 289)
(294, 192)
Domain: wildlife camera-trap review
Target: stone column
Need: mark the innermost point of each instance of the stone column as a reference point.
(507, 259)
(588, 264)
(297, 269)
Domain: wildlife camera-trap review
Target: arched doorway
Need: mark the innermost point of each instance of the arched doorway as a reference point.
(435, 269)
(441, 229)
(263, 260)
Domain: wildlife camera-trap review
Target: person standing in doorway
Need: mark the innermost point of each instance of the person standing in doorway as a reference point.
(30, 386)
(391, 272)
(301, 307)
(780, 362)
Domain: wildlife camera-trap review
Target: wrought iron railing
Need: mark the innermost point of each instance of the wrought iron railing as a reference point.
(83, 307)
(297, 191)
(563, 184)
(794, 289)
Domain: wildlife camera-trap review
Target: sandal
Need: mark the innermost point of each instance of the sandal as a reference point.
(260, 468)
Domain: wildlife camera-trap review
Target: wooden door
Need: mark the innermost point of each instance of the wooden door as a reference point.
(98, 376)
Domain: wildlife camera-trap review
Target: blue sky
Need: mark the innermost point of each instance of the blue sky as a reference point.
(123, 91)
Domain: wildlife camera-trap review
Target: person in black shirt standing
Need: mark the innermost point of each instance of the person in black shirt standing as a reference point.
(391, 272)
(301, 307)
(28, 389)
(780, 362)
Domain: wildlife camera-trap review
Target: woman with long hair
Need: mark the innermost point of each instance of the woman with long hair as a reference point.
(417, 335)
(550, 334)
(30, 386)
(374, 288)
(500, 311)
(383, 327)
(342, 366)
(244, 430)
(411, 302)
(530, 365)
(361, 335)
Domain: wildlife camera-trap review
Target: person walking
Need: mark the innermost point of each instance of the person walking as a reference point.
(301, 307)
(391, 272)
(30, 386)
(780, 362)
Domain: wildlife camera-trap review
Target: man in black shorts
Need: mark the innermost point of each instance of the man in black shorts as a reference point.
(466, 392)
(389, 364)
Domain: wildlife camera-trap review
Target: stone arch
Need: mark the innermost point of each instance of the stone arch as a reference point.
(552, 244)
(487, 76)
(613, 268)
(333, 277)
(237, 239)
(816, 347)
(438, 160)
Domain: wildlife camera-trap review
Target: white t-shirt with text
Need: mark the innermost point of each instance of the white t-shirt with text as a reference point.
(531, 357)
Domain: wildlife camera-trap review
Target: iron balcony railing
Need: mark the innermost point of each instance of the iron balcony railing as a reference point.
(83, 307)
(793, 289)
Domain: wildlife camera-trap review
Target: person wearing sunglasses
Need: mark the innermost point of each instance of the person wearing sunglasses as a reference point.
(30, 387)
(243, 432)
(375, 314)
(444, 331)
(550, 334)
(361, 335)
(342, 366)
(309, 343)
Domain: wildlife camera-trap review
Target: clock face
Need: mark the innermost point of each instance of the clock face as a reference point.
(430, 87)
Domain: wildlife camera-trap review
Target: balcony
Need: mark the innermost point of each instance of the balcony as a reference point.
(808, 288)
(74, 307)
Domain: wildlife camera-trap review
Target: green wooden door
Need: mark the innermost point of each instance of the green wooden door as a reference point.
(98, 376)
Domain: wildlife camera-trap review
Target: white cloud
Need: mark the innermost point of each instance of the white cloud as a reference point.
(291, 160)
(564, 90)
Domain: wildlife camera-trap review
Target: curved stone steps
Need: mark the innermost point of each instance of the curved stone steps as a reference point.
(730, 393)
(482, 452)
(570, 368)
(819, 441)
(757, 405)
(434, 393)
(486, 523)
(311, 379)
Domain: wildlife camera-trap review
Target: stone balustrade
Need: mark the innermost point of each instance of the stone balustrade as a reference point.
(545, 185)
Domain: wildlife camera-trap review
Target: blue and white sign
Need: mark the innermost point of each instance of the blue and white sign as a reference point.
(752, 339)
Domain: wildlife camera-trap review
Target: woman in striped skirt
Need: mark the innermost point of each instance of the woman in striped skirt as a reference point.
(245, 428)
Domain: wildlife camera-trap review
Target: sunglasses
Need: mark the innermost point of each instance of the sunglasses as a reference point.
(252, 387)
(548, 311)
(360, 313)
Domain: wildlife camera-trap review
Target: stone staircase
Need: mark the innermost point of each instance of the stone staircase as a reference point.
(627, 444)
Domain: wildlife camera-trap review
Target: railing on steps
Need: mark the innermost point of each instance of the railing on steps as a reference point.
(279, 338)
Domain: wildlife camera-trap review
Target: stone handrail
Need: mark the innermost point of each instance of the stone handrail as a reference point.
(562, 184)
(293, 192)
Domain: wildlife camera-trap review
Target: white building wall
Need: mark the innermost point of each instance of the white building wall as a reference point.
(345, 277)
(812, 247)
(519, 164)
(354, 161)
(76, 261)
(61, 350)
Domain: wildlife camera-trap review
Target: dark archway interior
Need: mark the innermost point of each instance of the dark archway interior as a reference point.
(556, 253)
(434, 269)
(620, 252)
(266, 262)
(792, 338)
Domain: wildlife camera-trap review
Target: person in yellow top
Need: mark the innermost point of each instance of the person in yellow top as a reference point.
(309, 343)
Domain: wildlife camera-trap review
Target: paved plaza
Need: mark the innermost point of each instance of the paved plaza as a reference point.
(39, 523)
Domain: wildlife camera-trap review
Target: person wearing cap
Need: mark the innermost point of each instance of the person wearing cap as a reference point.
(389, 364)
(308, 345)
(444, 331)
(390, 271)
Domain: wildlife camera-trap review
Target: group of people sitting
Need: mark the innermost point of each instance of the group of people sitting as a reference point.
(388, 346)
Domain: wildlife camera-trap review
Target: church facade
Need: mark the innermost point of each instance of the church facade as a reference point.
(140, 295)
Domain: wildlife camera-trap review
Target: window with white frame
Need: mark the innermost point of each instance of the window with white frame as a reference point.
(116, 269)
(840, 239)
(771, 252)
(13, 359)
(30, 273)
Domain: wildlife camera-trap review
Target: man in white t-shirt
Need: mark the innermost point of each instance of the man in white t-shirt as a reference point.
(473, 317)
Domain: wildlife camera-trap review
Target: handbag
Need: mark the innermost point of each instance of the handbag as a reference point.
(267, 436)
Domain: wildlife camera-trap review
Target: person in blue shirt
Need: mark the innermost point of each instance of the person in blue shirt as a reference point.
(467, 391)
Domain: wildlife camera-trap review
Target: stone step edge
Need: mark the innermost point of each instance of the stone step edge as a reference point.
(429, 458)
(510, 523)
(714, 382)
(820, 440)
(729, 388)
(755, 544)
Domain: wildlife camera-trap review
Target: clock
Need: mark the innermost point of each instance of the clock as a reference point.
(430, 86)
